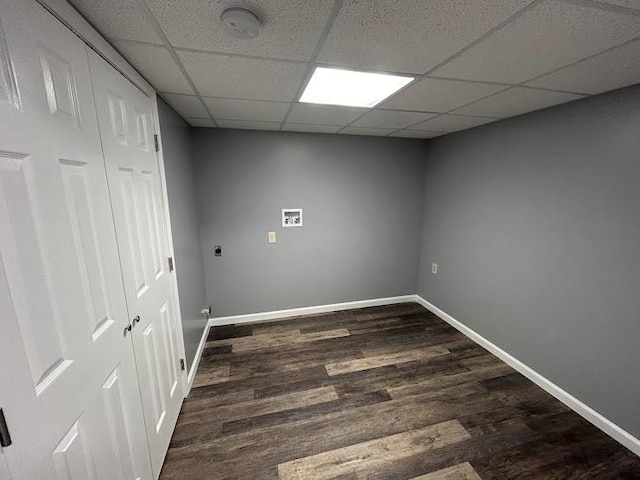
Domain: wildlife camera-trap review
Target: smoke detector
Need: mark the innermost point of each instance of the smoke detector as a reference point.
(240, 22)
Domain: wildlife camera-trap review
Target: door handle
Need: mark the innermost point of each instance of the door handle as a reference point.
(127, 329)
(136, 319)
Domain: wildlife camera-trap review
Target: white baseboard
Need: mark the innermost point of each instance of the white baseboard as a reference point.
(295, 312)
(604, 424)
(196, 360)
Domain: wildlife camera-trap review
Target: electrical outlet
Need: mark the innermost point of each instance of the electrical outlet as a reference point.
(434, 268)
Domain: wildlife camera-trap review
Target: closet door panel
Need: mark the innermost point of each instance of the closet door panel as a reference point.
(61, 292)
(125, 118)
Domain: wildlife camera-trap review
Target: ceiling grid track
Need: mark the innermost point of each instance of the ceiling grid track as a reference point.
(154, 24)
(519, 85)
(508, 86)
(449, 59)
(335, 10)
(279, 112)
(605, 6)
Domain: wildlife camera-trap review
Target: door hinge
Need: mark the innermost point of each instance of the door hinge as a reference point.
(156, 142)
(170, 262)
(5, 438)
(182, 364)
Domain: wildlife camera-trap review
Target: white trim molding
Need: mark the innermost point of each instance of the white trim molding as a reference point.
(582, 409)
(193, 368)
(588, 413)
(296, 312)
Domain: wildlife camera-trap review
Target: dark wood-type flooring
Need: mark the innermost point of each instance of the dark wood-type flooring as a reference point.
(387, 392)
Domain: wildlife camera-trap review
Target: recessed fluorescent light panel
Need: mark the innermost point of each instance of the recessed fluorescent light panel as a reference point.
(331, 86)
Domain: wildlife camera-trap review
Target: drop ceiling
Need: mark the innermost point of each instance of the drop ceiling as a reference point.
(475, 61)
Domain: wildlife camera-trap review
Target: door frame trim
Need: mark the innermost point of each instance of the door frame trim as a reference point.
(171, 253)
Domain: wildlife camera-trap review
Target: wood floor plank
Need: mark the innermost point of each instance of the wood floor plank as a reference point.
(263, 406)
(258, 381)
(255, 342)
(325, 335)
(285, 363)
(212, 402)
(305, 413)
(424, 341)
(462, 471)
(465, 451)
(442, 381)
(368, 455)
(215, 351)
(197, 427)
(229, 331)
(212, 375)
(383, 360)
(264, 397)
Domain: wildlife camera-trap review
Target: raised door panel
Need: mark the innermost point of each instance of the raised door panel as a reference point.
(27, 261)
(132, 236)
(60, 86)
(171, 368)
(8, 84)
(113, 426)
(89, 250)
(151, 365)
(152, 225)
(73, 457)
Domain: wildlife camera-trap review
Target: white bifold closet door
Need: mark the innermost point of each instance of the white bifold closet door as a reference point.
(68, 383)
(125, 119)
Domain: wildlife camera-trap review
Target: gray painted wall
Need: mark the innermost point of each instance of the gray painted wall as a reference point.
(362, 203)
(184, 225)
(535, 225)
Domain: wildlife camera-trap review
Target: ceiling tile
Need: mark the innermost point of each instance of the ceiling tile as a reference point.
(324, 114)
(614, 69)
(376, 132)
(391, 119)
(156, 65)
(231, 109)
(437, 95)
(290, 28)
(239, 77)
(186, 105)
(249, 125)
(121, 19)
(408, 133)
(516, 101)
(201, 122)
(452, 123)
(411, 35)
(303, 127)
(548, 36)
